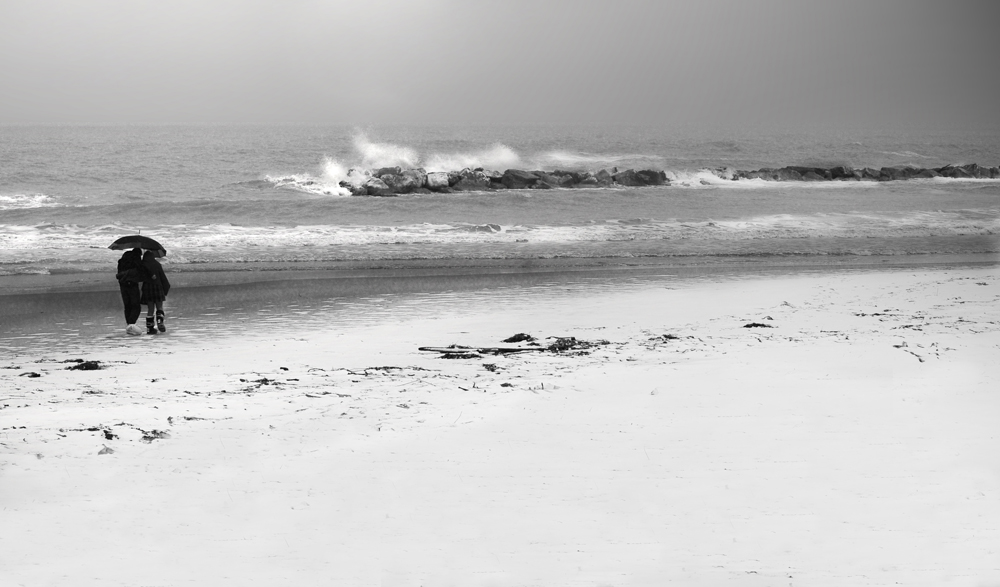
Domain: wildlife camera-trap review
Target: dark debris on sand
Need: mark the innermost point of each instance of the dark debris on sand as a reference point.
(81, 365)
(520, 337)
(560, 344)
(564, 344)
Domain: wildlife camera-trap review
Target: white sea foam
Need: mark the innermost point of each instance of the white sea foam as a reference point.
(20, 201)
(589, 161)
(31, 243)
(374, 155)
(499, 157)
(906, 154)
(961, 179)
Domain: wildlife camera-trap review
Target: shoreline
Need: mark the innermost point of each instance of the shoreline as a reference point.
(222, 274)
(853, 435)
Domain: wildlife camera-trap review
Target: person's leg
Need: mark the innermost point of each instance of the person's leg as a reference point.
(130, 298)
(150, 328)
(126, 302)
(160, 316)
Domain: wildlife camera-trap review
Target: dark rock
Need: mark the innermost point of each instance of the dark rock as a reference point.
(651, 177)
(822, 173)
(473, 181)
(994, 172)
(757, 325)
(897, 173)
(870, 174)
(401, 184)
(812, 176)
(547, 177)
(628, 178)
(387, 171)
(356, 189)
(841, 172)
(376, 187)
(953, 172)
(419, 176)
(574, 177)
(520, 337)
(785, 174)
(604, 177)
(973, 169)
(437, 180)
(556, 179)
(516, 179)
(454, 177)
(927, 173)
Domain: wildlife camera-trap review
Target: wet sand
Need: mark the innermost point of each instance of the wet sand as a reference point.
(847, 435)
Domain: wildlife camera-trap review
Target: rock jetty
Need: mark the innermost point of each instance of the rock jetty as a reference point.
(845, 173)
(392, 181)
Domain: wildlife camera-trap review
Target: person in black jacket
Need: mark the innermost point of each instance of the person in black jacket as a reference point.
(130, 273)
(154, 290)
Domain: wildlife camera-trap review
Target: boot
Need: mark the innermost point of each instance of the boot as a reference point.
(150, 329)
(159, 320)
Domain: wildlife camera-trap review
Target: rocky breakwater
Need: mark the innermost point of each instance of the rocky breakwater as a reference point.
(392, 181)
(845, 173)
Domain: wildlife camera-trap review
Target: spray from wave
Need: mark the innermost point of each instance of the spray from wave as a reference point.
(375, 155)
(498, 157)
(21, 201)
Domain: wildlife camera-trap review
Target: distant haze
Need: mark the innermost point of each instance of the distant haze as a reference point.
(712, 62)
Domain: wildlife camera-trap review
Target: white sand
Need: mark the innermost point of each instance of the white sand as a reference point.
(831, 449)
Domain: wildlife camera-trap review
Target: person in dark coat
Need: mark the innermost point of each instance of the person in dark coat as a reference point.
(154, 290)
(130, 273)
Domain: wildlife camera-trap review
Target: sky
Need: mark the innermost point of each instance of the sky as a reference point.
(499, 61)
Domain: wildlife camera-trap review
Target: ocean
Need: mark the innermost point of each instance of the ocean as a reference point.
(268, 197)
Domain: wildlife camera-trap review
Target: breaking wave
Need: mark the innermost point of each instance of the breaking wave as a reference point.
(22, 201)
(498, 157)
(781, 226)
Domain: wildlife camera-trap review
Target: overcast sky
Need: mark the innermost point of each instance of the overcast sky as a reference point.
(503, 61)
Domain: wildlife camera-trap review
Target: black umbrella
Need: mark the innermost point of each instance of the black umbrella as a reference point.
(137, 241)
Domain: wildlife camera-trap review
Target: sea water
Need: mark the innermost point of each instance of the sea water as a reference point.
(247, 197)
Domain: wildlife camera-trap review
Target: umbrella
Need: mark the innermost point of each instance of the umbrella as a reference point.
(138, 241)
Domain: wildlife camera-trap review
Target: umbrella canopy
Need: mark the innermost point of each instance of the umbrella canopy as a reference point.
(137, 241)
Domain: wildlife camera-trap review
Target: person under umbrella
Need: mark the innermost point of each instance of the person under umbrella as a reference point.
(130, 273)
(154, 290)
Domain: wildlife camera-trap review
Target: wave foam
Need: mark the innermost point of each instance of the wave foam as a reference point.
(906, 154)
(587, 161)
(498, 157)
(374, 155)
(22, 201)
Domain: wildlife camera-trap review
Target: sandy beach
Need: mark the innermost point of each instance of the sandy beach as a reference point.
(817, 429)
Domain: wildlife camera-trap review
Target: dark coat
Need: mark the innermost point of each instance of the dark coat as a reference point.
(130, 268)
(156, 286)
